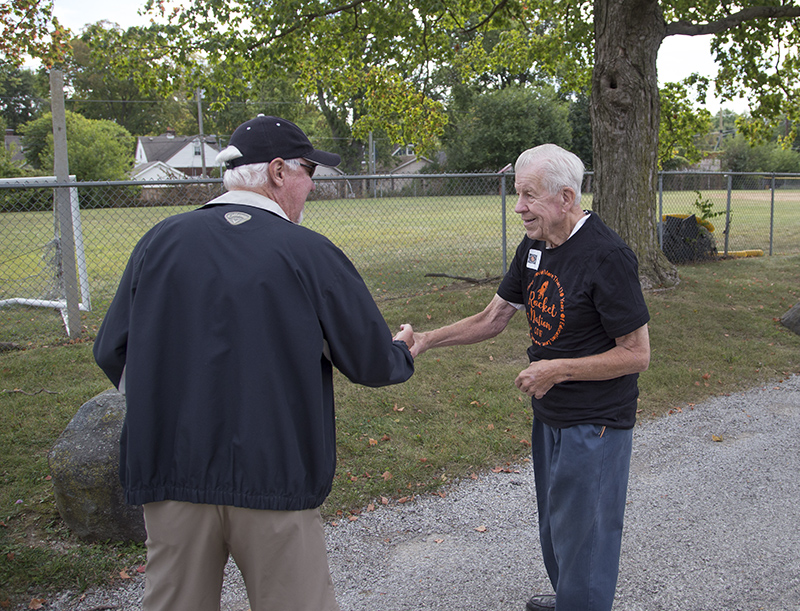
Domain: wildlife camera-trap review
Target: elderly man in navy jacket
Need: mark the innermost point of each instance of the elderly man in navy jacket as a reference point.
(223, 335)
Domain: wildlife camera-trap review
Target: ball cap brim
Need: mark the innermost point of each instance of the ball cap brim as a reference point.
(264, 138)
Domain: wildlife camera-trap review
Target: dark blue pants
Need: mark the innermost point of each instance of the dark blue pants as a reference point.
(581, 482)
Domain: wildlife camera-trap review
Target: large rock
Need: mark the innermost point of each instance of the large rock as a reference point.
(84, 464)
(791, 320)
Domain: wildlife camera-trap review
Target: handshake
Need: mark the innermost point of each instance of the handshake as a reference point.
(406, 334)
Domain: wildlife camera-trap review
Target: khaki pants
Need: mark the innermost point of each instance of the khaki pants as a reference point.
(281, 555)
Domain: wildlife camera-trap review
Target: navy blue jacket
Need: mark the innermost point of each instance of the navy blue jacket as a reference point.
(227, 332)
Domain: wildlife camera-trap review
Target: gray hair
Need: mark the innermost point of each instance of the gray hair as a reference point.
(559, 168)
(251, 176)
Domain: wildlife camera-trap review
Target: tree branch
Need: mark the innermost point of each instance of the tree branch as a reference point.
(499, 6)
(306, 18)
(687, 28)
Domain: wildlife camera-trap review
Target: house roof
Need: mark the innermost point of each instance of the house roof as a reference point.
(406, 167)
(156, 170)
(166, 146)
(13, 145)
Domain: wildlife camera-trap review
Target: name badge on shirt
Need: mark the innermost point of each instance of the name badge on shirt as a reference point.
(534, 258)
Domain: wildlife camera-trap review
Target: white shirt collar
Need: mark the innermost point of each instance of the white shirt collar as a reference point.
(249, 198)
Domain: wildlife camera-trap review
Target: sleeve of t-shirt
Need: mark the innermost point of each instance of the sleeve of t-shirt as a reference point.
(618, 294)
(511, 286)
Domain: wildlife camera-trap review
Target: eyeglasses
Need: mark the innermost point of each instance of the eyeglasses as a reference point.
(310, 168)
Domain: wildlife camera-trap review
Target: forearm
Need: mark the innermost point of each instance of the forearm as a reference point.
(631, 354)
(477, 328)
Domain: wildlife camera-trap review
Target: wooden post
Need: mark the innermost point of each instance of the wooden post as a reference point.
(61, 201)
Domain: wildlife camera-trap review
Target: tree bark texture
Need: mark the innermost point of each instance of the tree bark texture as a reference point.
(625, 118)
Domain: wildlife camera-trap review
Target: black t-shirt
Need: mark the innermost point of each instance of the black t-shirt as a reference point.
(578, 298)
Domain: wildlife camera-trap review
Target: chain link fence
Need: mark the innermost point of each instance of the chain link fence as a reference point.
(406, 235)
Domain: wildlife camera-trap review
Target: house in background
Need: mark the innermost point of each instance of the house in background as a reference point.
(330, 189)
(13, 144)
(181, 153)
(409, 163)
(156, 171)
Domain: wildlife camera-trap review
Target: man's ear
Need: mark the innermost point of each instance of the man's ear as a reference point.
(277, 171)
(567, 198)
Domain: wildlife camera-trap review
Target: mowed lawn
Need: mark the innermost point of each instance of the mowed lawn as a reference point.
(401, 245)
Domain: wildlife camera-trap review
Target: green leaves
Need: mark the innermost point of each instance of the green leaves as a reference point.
(86, 138)
(681, 123)
(29, 27)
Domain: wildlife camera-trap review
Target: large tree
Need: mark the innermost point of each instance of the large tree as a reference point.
(23, 93)
(366, 52)
(97, 93)
(501, 123)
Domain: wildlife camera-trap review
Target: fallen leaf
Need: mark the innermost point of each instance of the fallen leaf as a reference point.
(353, 518)
(386, 438)
(438, 540)
(384, 500)
(490, 427)
(370, 507)
(716, 438)
(402, 499)
(373, 442)
(141, 568)
(36, 603)
(481, 529)
(386, 476)
(124, 574)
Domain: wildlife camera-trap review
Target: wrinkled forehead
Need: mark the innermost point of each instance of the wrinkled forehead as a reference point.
(529, 176)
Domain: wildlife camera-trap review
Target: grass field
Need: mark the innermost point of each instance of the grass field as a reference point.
(394, 242)
(460, 414)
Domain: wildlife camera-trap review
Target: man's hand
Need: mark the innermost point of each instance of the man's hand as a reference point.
(537, 378)
(406, 335)
(419, 345)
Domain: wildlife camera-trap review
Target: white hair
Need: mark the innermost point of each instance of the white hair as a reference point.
(558, 168)
(247, 177)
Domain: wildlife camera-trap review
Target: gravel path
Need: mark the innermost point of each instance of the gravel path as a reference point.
(711, 525)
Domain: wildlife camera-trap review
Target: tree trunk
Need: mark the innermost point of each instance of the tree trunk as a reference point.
(625, 117)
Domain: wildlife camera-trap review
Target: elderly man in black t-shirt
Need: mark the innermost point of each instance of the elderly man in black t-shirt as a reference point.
(578, 284)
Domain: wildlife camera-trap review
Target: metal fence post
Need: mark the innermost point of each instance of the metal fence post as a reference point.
(503, 216)
(771, 212)
(728, 214)
(660, 220)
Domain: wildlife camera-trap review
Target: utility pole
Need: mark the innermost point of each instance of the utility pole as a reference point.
(202, 135)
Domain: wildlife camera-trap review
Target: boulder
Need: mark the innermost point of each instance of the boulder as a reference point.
(84, 465)
(791, 320)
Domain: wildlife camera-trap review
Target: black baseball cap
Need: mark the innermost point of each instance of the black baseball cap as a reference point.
(263, 139)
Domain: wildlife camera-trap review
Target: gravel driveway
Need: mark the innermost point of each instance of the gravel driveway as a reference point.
(712, 524)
